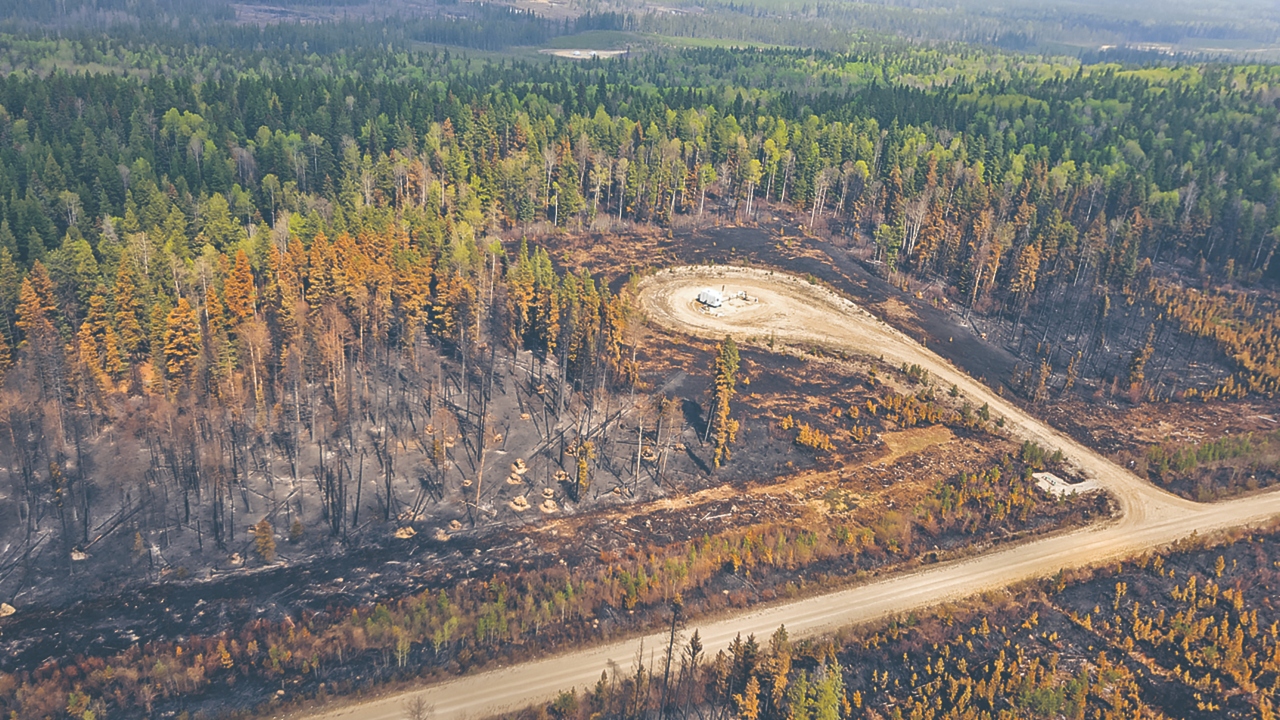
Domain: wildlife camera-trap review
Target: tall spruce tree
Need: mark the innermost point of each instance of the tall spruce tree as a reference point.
(723, 428)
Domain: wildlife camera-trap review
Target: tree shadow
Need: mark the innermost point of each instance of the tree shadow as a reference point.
(693, 416)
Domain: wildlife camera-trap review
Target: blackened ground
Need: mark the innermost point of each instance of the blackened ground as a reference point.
(1045, 621)
(378, 568)
(780, 245)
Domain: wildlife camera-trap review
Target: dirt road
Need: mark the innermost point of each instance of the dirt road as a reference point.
(793, 311)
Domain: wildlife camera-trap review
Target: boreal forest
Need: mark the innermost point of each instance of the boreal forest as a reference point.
(331, 359)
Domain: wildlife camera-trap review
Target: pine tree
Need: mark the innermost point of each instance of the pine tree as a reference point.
(113, 359)
(586, 452)
(10, 280)
(44, 287)
(570, 196)
(36, 307)
(36, 317)
(8, 242)
(1025, 272)
(175, 233)
(1138, 363)
(129, 330)
(214, 314)
(264, 541)
(219, 230)
(220, 346)
(182, 343)
(158, 323)
(238, 290)
(78, 267)
(284, 286)
(723, 427)
(99, 351)
(96, 317)
(6, 357)
(35, 247)
(1073, 371)
(520, 294)
(748, 702)
(1042, 381)
(779, 667)
(90, 357)
(320, 285)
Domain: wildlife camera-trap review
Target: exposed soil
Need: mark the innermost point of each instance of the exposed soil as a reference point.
(671, 498)
(767, 464)
(987, 348)
(668, 498)
(928, 319)
(1131, 435)
(583, 54)
(1087, 628)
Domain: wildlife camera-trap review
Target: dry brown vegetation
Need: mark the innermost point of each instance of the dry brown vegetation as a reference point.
(1187, 633)
(753, 533)
(1235, 441)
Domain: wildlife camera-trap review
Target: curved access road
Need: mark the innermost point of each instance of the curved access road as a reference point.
(793, 311)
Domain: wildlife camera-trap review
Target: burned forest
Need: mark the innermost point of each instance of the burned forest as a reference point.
(348, 350)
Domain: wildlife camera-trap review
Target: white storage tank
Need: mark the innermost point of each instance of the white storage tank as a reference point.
(711, 298)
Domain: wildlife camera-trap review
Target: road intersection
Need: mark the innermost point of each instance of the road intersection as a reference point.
(792, 311)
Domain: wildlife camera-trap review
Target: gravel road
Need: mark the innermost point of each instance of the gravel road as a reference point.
(794, 311)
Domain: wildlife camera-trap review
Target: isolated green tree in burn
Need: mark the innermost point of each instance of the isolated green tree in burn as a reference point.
(586, 452)
(264, 540)
(724, 428)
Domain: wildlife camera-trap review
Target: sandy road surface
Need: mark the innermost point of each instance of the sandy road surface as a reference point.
(583, 54)
(794, 311)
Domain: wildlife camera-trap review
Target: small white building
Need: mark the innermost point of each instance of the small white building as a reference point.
(711, 298)
(1056, 486)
